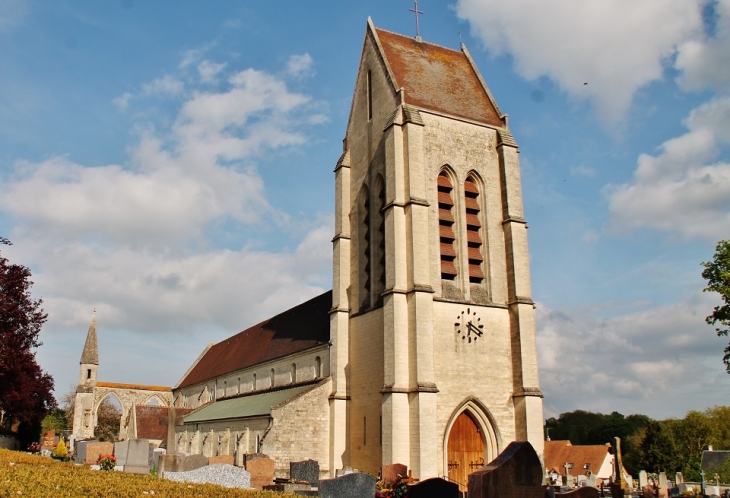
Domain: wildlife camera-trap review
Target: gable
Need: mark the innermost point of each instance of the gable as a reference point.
(438, 78)
(296, 329)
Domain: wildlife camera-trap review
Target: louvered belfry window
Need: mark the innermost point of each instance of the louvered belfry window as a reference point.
(446, 227)
(473, 239)
(366, 247)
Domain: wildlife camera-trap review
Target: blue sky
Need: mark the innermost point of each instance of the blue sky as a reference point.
(171, 166)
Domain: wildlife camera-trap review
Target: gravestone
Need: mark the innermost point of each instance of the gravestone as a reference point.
(515, 473)
(95, 449)
(120, 451)
(583, 492)
(663, 488)
(712, 491)
(183, 463)
(391, 473)
(156, 455)
(619, 488)
(261, 468)
(227, 459)
(434, 487)
(307, 470)
(642, 479)
(49, 439)
(138, 457)
(80, 453)
(679, 478)
(355, 485)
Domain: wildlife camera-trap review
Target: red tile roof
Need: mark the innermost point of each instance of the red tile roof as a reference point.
(150, 420)
(438, 78)
(558, 453)
(296, 329)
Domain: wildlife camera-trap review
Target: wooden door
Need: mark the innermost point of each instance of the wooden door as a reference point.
(465, 450)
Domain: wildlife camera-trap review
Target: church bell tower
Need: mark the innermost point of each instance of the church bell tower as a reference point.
(433, 360)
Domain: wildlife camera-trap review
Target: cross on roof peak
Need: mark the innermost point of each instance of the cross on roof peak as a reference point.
(416, 11)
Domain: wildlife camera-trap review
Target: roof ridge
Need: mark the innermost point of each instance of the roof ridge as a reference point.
(427, 43)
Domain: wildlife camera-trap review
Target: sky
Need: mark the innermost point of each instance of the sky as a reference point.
(170, 165)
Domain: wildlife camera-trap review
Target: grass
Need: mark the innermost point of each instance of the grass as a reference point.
(23, 474)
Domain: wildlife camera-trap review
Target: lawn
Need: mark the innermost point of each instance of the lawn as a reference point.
(23, 474)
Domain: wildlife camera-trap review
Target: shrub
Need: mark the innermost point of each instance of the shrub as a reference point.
(60, 450)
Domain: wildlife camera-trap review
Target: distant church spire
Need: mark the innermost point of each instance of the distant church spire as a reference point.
(90, 356)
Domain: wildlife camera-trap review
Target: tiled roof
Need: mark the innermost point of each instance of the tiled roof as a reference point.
(141, 387)
(247, 406)
(438, 78)
(150, 420)
(558, 453)
(296, 329)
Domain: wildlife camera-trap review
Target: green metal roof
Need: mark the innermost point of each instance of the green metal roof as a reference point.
(246, 406)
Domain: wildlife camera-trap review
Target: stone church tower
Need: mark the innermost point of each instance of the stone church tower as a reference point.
(83, 425)
(433, 358)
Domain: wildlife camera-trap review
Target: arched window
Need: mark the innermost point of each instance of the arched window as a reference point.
(272, 375)
(446, 227)
(473, 226)
(379, 242)
(293, 373)
(317, 367)
(364, 233)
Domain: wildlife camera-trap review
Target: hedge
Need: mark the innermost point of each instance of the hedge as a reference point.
(24, 474)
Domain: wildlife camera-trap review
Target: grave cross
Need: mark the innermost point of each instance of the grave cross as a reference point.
(171, 421)
(416, 11)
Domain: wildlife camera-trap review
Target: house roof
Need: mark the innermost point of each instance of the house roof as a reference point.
(558, 453)
(296, 329)
(247, 406)
(150, 420)
(438, 78)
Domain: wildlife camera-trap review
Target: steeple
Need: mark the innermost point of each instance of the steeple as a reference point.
(90, 356)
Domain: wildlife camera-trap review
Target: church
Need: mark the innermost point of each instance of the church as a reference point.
(424, 352)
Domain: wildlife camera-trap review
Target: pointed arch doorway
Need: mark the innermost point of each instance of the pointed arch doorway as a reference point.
(465, 449)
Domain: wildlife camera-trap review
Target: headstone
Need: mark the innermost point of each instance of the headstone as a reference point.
(138, 457)
(261, 468)
(570, 481)
(156, 455)
(434, 487)
(80, 453)
(712, 491)
(94, 450)
(120, 451)
(307, 470)
(391, 473)
(355, 485)
(582, 492)
(686, 489)
(227, 459)
(515, 473)
(679, 478)
(663, 479)
(183, 463)
(49, 439)
(642, 479)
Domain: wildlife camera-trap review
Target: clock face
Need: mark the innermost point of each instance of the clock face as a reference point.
(468, 326)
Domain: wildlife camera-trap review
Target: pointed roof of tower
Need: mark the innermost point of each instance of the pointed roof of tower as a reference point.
(437, 78)
(90, 356)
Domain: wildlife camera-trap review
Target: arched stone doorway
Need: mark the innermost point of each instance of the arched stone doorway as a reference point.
(471, 441)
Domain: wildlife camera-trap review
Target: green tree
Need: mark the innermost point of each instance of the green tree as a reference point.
(108, 418)
(56, 420)
(717, 274)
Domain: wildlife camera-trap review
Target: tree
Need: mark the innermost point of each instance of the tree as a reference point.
(717, 274)
(25, 390)
(108, 419)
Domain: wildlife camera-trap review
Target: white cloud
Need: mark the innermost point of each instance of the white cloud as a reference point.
(616, 47)
(705, 61)
(632, 362)
(209, 71)
(122, 102)
(167, 85)
(682, 189)
(300, 65)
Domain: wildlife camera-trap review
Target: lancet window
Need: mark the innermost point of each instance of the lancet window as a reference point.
(473, 227)
(446, 227)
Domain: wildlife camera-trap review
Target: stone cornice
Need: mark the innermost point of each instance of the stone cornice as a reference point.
(528, 392)
(514, 219)
(521, 300)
